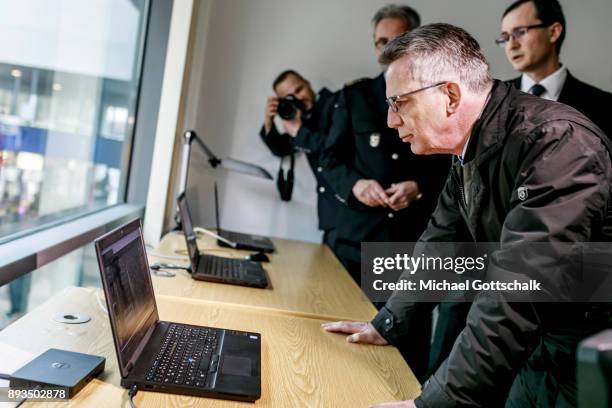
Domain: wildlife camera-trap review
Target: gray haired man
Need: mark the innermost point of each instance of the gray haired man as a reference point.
(442, 100)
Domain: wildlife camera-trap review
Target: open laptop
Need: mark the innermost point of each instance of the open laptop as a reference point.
(166, 356)
(216, 268)
(242, 241)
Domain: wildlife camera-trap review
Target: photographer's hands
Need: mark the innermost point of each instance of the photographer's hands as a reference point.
(270, 111)
(291, 126)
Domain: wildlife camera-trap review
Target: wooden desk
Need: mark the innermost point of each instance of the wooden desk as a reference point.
(307, 280)
(302, 366)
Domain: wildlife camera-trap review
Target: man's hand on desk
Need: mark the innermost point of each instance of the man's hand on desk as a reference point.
(402, 194)
(370, 193)
(360, 332)
(400, 404)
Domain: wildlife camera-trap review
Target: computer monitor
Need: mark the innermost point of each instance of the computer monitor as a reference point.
(595, 371)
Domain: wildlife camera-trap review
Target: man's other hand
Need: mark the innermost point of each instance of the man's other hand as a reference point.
(360, 332)
(292, 126)
(402, 194)
(370, 193)
(270, 112)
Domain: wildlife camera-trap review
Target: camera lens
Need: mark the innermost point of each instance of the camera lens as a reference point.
(288, 107)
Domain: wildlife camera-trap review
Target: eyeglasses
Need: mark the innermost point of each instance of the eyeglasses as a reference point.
(392, 100)
(517, 33)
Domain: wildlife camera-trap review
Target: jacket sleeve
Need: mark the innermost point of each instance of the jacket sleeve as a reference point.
(566, 178)
(337, 154)
(446, 224)
(312, 140)
(279, 143)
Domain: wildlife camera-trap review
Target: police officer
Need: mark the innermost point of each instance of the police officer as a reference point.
(387, 192)
(306, 133)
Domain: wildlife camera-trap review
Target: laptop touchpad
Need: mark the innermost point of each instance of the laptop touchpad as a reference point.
(235, 365)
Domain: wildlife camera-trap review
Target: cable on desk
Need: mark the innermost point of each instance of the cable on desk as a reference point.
(170, 257)
(131, 393)
(100, 302)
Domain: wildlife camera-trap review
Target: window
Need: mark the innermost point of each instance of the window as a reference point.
(69, 86)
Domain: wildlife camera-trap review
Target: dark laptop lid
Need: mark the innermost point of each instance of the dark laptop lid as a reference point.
(130, 299)
(190, 237)
(217, 209)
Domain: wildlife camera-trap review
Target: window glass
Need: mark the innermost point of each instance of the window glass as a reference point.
(69, 84)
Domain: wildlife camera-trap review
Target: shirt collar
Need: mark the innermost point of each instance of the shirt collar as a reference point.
(553, 83)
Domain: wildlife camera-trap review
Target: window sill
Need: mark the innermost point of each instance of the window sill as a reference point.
(27, 253)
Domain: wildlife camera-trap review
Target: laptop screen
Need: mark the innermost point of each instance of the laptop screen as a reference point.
(127, 285)
(190, 237)
(217, 209)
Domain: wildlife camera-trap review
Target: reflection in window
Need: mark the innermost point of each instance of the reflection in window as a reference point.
(69, 75)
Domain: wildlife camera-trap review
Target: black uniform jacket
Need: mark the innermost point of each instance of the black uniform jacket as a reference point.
(361, 146)
(594, 103)
(561, 162)
(310, 139)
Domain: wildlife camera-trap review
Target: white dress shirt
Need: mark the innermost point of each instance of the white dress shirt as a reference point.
(552, 83)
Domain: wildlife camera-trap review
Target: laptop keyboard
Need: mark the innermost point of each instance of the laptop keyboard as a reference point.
(184, 357)
(222, 267)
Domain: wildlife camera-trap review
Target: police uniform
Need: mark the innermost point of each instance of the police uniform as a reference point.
(361, 146)
(310, 139)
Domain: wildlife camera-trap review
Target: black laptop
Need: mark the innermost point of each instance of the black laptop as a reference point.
(242, 241)
(216, 268)
(166, 356)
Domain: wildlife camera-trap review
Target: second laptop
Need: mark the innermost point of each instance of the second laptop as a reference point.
(215, 268)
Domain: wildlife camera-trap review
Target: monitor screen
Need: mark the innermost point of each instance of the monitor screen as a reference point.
(128, 288)
(190, 238)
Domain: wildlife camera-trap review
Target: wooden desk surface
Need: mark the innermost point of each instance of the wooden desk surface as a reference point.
(306, 280)
(302, 366)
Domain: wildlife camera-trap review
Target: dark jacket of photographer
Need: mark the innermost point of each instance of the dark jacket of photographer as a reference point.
(361, 146)
(534, 171)
(310, 139)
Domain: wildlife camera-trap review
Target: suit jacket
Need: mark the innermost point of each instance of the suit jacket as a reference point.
(310, 139)
(594, 103)
(360, 145)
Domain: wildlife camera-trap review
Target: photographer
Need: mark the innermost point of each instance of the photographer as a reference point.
(306, 117)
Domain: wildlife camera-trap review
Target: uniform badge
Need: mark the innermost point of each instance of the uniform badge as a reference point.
(522, 193)
(374, 139)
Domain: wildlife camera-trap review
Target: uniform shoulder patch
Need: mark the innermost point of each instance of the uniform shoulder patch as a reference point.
(356, 81)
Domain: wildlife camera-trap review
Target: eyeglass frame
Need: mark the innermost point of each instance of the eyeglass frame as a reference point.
(515, 33)
(392, 100)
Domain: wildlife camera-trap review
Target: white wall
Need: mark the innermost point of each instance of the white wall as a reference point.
(243, 44)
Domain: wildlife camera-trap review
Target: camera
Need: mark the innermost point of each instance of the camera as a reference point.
(289, 106)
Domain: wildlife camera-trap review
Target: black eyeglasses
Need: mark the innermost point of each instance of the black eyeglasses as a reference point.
(392, 100)
(517, 33)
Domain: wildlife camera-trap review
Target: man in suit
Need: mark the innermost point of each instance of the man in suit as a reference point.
(306, 133)
(387, 192)
(532, 35)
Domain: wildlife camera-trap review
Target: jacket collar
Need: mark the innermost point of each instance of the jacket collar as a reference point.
(483, 144)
